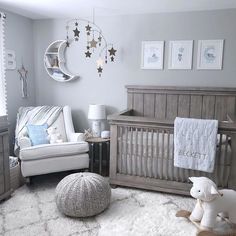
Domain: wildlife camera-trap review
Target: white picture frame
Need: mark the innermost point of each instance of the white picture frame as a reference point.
(180, 55)
(210, 54)
(10, 57)
(152, 55)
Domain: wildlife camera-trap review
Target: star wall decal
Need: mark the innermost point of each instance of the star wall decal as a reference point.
(76, 39)
(76, 32)
(67, 44)
(99, 38)
(88, 33)
(23, 77)
(76, 23)
(88, 54)
(93, 43)
(112, 58)
(112, 51)
(88, 27)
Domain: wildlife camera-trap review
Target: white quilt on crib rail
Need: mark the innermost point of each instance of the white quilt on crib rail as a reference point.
(195, 143)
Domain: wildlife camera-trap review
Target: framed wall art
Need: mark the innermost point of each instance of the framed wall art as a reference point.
(210, 54)
(180, 55)
(10, 59)
(152, 55)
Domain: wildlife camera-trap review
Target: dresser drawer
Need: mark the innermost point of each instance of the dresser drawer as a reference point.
(1, 163)
(2, 187)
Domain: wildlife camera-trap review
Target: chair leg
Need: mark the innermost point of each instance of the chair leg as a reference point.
(28, 180)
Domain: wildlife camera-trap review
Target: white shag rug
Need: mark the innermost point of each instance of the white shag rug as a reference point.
(31, 211)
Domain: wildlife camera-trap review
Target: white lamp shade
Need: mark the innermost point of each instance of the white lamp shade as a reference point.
(97, 112)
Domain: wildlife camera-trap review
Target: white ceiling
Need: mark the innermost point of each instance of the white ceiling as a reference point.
(41, 9)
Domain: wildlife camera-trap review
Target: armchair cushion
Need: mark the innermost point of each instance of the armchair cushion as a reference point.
(38, 134)
(53, 150)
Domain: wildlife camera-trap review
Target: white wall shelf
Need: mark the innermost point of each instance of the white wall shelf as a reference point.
(56, 52)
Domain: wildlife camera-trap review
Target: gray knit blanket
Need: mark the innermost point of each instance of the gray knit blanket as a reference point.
(195, 143)
(34, 115)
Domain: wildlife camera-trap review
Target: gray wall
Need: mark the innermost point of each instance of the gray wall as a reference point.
(127, 33)
(19, 37)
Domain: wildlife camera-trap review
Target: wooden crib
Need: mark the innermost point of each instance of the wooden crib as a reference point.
(142, 152)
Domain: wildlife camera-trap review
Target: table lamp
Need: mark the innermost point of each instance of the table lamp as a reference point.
(96, 113)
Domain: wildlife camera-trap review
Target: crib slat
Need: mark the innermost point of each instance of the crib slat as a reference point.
(224, 166)
(168, 161)
(136, 152)
(156, 161)
(162, 156)
(170, 158)
(131, 151)
(221, 165)
(188, 173)
(125, 151)
(175, 169)
(146, 154)
(128, 157)
(228, 162)
(166, 154)
(141, 153)
(121, 147)
(181, 173)
(151, 174)
(218, 153)
(217, 164)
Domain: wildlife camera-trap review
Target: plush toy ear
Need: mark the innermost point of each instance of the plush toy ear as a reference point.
(214, 191)
(192, 179)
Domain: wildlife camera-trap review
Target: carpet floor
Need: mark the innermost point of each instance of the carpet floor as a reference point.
(31, 211)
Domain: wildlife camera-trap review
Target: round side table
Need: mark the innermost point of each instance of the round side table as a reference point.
(99, 155)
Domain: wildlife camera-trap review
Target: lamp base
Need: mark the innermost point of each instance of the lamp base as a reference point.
(96, 128)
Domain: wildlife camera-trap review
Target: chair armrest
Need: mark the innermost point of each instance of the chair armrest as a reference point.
(76, 137)
(24, 142)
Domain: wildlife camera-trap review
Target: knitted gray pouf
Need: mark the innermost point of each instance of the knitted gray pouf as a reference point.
(83, 194)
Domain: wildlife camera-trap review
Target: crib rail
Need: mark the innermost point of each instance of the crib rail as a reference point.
(142, 153)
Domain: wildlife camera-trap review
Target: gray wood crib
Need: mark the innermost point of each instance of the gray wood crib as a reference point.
(142, 137)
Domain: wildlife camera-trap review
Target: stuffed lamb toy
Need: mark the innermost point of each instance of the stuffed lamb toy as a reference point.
(211, 202)
(53, 135)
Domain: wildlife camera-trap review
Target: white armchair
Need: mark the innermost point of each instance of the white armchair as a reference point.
(47, 158)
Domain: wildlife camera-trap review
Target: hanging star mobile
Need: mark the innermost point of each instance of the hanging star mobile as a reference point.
(95, 41)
